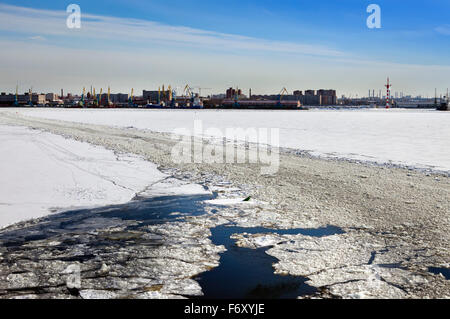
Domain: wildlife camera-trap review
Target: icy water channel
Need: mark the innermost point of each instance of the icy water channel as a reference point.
(84, 236)
(247, 273)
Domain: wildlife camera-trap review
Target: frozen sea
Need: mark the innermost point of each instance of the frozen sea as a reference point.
(416, 138)
(42, 173)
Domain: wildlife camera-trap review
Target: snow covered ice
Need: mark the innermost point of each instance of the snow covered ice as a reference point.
(394, 219)
(41, 172)
(417, 138)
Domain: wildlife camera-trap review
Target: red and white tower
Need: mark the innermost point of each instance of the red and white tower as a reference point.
(388, 95)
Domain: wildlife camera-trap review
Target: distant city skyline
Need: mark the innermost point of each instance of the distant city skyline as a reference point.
(260, 45)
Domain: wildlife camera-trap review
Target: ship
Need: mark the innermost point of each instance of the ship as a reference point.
(263, 105)
(444, 106)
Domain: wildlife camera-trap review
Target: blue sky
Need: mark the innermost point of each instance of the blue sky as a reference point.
(413, 43)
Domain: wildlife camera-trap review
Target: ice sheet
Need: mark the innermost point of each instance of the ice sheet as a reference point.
(41, 172)
(418, 138)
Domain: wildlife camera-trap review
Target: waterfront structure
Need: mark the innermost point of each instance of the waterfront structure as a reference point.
(51, 97)
(22, 99)
(388, 94)
(231, 93)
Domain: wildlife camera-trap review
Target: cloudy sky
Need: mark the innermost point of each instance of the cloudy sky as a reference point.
(264, 45)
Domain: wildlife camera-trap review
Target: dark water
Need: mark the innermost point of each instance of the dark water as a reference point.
(246, 273)
(243, 272)
(440, 270)
(151, 211)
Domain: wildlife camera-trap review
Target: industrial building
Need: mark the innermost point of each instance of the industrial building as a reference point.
(154, 97)
(167, 97)
(51, 97)
(22, 99)
(116, 98)
(311, 97)
(231, 93)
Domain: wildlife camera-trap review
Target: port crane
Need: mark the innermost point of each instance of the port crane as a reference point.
(187, 92)
(236, 97)
(168, 96)
(282, 93)
(30, 95)
(173, 97)
(16, 98)
(161, 96)
(444, 103)
(130, 100)
(82, 97)
(100, 97)
(109, 96)
(95, 101)
(170, 93)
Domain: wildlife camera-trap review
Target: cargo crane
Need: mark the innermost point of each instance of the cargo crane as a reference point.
(30, 95)
(130, 100)
(109, 97)
(96, 101)
(162, 98)
(100, 97)
(166, 97)
(16, 97)
(170, 101)
(94, 97)
(82, 97)
(435, 97)
(282, 93)
(236, 97)
(444, 104)
(173, 97)
(188, 94)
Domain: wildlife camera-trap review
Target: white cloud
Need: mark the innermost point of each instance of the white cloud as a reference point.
(95, 27)
(444, 29)
(47, 68)
(37, 38)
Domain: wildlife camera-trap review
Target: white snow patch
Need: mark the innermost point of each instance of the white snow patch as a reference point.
(173, 186)
(97, 294)
(230, 202)
(42, 172)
